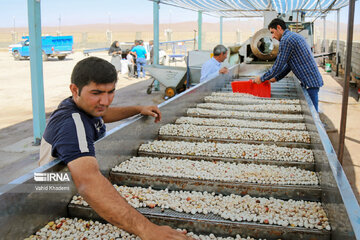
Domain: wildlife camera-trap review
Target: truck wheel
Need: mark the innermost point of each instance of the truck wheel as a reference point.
(16, 55)
(45, 57)
(61, 57)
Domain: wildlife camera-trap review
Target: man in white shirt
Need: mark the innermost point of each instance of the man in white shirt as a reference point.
(211, 68)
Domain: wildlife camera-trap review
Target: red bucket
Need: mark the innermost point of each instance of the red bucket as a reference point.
(260, 90)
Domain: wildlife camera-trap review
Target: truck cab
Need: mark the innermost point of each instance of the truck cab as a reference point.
(52, 46)
(11, 46)
(22, 51)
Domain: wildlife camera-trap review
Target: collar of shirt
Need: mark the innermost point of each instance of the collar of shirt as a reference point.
(284, 34)
(216, 61)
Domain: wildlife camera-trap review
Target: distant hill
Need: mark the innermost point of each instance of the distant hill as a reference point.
(243, 25)
(228, 26)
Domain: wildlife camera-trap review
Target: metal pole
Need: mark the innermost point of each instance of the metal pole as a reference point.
(199, 30)
(337, 42)
(58, 33)
(14, 35)
(324, 38)
(194, 39)
(109, 16)
(347, 80)
(156, 7)
(36, 69)
(156, 32)
(14, 23)
(221, 30)
(324, 33)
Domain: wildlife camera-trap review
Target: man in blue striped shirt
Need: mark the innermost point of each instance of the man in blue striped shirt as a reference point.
(294, 55)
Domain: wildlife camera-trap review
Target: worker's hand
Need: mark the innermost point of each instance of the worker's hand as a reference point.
(257, 80)
(153, 111)
(272, 80)
(165, 233)
(224, 70)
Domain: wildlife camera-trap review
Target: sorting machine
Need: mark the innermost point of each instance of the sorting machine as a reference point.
(24, 210)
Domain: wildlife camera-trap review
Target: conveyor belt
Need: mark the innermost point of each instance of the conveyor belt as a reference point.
(296, 192)
(235, 101)
(211, 223)
(278, 92)
(274, 89)
(274, 93)
(253, 110)
(221, 140)
(250, 118)
(302, 165)
(267, 122)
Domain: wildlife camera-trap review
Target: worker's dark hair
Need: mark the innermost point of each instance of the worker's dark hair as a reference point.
(219, 49)
(275, 22)
(141, 42)
(93, 69)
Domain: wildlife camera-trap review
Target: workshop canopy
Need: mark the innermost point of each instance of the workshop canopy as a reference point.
(255, 8)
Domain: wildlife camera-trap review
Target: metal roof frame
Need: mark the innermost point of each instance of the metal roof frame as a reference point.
(254, 8)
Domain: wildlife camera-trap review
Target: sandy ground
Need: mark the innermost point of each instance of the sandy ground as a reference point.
(15, 83)
(16, 124)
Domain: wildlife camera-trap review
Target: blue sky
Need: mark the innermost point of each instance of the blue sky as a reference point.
(75, 12)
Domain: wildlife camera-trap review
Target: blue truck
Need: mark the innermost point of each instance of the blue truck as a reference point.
(52, 46)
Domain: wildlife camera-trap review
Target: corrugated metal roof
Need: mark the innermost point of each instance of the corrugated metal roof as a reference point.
(254, 8)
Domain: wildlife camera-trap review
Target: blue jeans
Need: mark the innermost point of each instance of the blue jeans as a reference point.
(314, 95)
(140, 63)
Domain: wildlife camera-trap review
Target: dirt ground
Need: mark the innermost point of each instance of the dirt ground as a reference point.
(16, 125)
(15, 81)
